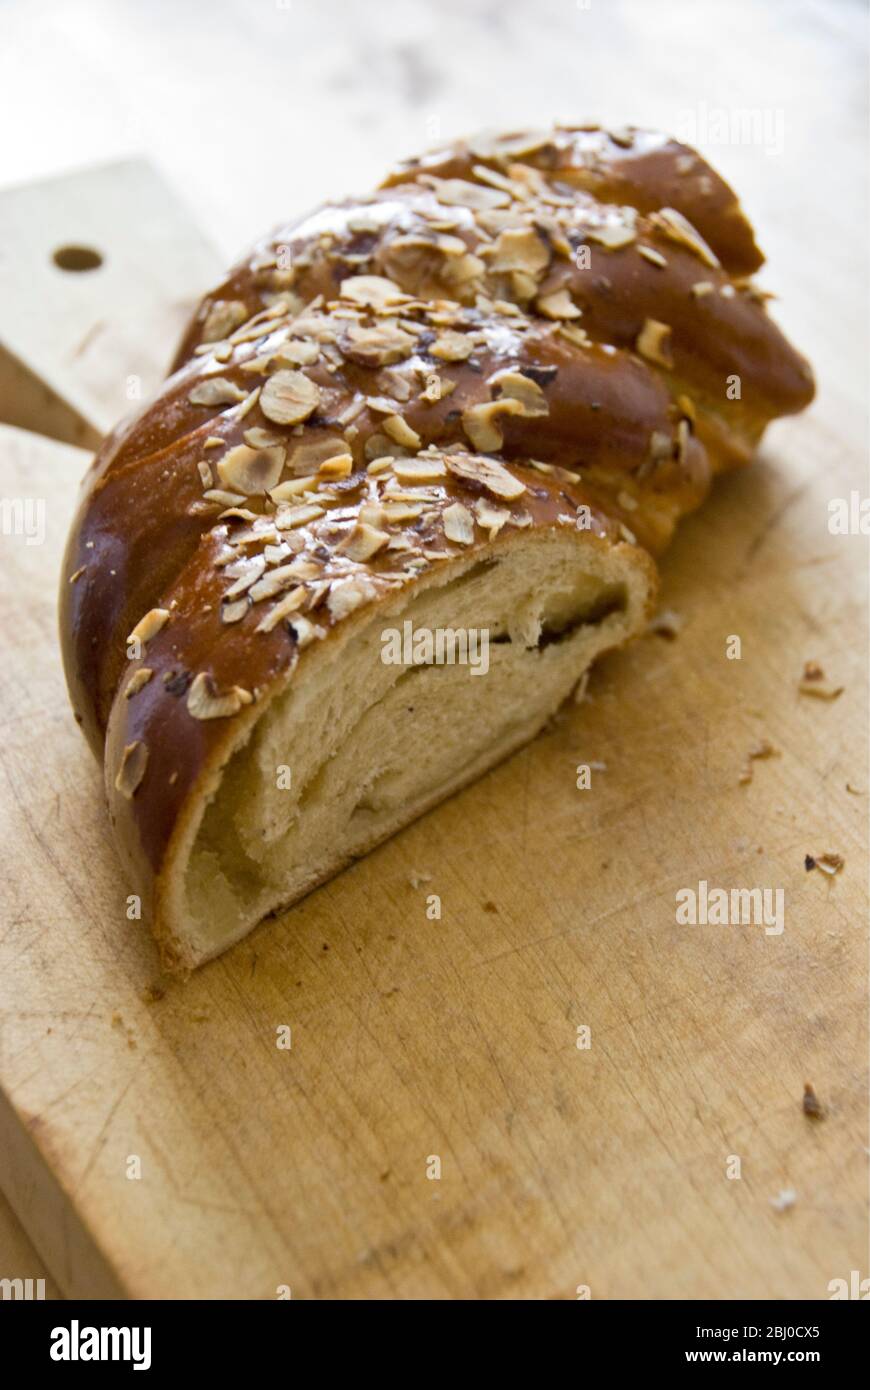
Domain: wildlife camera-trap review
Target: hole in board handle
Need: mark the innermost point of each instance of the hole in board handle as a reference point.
(77, 258)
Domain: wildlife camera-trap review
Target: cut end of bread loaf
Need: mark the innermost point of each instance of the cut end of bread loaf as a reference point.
(340, 760)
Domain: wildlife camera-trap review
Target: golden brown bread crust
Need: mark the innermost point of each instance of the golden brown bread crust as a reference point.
(603, 273)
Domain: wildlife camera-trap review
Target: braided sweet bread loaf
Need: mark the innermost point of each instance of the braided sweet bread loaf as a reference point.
(477, 400)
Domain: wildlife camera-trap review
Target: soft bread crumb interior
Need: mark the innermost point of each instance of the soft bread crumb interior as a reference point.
(370, 745)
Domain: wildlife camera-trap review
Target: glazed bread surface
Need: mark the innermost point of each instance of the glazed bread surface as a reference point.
(476, 400)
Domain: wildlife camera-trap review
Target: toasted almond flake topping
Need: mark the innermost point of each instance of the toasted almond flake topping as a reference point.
(378, 346)
(214, 441)
(275, 581)
(290, 603)
(346, 595)
(650, 254)
(380, 465)
(246, 573)
(137, 680)
(400, 431)
(480, 422)
(77, 574)
(363, 542)
(288, 518)
(204, 701)
(451, 346)
(223, 317)
(702, 287)
(489, 472)
(293, 487)
(674, 225)
(612, 235)
(234, 611)
(372, 291)
(251, 471)
(224, 498)
(205, 473)
(215, 390)
(339, 466)
(458, 524)
(297, 353)
(134, 761)
(558, 305)
(396, 512)
(149, 626)
(511, 384)
(258, 438)
(653, 342)
(289, 397)
(518, 249)
(422, 469)
(461, 193)
(491, 518)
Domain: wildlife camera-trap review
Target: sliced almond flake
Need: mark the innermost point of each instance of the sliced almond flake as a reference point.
(205, 701)
(305, 631)
(380, 465)
(134, 761)
(400, 431)
(611, 235)
(363, 542)
(289, 397)
(513, 385)
(397, 512)
(248, 403)
(518, 249)
(480, 423)
(489, 472)
(626, 501)
(458, 524)
(452, 347)
(298, 352)
(501, 181)
(137, 680)
(702, 287)
(351, 411)
(674, 225)
(491, 518)
(307, 456)
(461, 193)
(258, 438)
(223, 317)
(653, 342)
(287, 606)
(214, 441)
(372, 291)
(572, 333)
(251, 572)
(215, 390)
(205, 473)
(339, 466)
(235, 610)
(687, 406)
(382, 404)
(346, 595)
(222, 498)
(251, 471)
(274, 582)
(293, 487)
(558, 305)
(627, 534)
(288, 518)
(650, 254)
(422, 469)
(378, 346)
(149, 626)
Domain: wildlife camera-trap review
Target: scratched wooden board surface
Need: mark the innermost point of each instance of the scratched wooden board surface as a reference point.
(457, 1038)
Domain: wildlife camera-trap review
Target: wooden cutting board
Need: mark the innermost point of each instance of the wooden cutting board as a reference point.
(156, 1141)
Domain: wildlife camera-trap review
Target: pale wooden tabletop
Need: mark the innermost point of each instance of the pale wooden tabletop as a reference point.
(255, 109)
